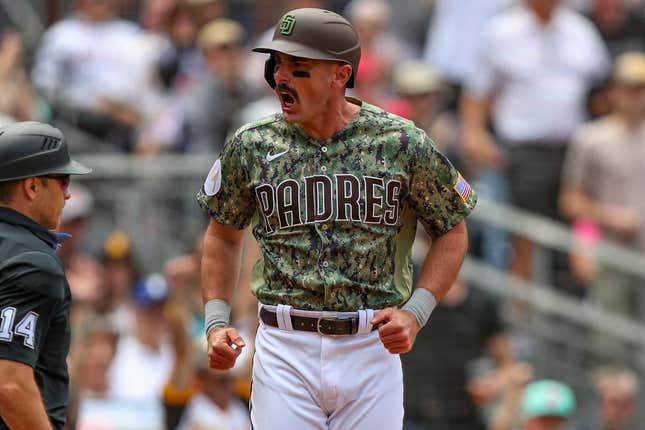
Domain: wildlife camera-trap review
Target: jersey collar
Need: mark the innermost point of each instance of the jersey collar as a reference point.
(51, 238)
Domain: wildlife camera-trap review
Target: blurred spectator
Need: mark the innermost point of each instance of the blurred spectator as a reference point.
(196, 397)
(214, 102)
(422, 99)
(444, 374)
(183, 276)
(85, 273)
(144, 356)
(18, 100)
(96, 71)
(543, 405)
(93, 350)
(208, 10)
(621, 25)
(121, 273)
(454, 41)
(380, 48)
(199, 117)
(538, 61)
(410, 22)
(602, 179)
(74, 221)
(94, 353)
(214, 406)
(181, 65)
(617, 390)
(155, 15)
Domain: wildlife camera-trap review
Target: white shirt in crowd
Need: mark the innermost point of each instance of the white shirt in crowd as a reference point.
(454, 36)
(538, 74)
(80, 62)
(138, 372)
(201, 413)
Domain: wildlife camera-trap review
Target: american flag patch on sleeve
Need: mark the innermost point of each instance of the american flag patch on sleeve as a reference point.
(463, 188)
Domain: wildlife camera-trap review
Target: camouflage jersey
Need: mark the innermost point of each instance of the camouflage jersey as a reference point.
(335, 218)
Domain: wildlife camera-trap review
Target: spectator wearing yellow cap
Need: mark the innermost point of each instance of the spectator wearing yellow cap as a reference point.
(210, 108)
(602, 180)
(422, 98)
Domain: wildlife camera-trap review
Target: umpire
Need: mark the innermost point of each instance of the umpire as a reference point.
(35, 170)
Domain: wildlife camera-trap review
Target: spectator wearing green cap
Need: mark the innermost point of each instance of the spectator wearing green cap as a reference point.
(544, 404)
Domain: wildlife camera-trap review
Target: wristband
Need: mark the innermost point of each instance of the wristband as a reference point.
(217, 313)
(421, 304)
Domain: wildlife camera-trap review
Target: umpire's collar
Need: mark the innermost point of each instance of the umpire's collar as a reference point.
(51, 238)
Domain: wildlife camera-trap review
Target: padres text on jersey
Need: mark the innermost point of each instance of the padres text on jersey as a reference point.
(329, 214)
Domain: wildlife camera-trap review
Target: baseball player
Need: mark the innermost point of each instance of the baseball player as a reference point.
(333, 187)
(34, 295)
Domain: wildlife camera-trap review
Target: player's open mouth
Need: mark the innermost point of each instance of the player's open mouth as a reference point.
(288, 97)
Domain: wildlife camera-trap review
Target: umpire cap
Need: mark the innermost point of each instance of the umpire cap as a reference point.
(316, 34)
(33, 148)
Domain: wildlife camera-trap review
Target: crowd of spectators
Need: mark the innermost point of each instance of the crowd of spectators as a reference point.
(541, 103)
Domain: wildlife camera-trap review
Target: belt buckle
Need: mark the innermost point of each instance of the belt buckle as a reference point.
(318, 326)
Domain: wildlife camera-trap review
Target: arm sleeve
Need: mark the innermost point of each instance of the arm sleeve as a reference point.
(227, 194)
(28, 301)
(439, 195)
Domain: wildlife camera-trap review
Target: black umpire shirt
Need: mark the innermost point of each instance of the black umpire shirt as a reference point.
(34, 308)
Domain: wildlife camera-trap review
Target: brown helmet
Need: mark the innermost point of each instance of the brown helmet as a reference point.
(316, 34)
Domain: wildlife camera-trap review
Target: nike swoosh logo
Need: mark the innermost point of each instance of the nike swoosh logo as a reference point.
(271, 157)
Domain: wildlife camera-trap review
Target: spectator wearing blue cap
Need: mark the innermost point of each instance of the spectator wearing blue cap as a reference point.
(144, 356)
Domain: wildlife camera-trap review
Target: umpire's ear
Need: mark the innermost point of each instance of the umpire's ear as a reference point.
(269, 68)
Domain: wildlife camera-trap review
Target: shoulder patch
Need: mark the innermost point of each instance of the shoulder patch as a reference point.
(214, 179)
(463, 188)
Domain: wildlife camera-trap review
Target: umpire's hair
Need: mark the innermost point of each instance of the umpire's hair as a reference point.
(8, 190)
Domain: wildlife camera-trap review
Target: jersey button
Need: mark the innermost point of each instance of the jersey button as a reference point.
(323, 168)
(325, 264)
(323, 149)
(325, 226)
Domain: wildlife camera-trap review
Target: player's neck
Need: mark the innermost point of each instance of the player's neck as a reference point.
(335, 118)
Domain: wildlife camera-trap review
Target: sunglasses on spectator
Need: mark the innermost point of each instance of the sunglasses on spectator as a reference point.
(63, 180)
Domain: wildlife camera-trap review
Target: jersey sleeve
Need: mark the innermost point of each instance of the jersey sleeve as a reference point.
(28, 302)
(227, 194)
(439, 195)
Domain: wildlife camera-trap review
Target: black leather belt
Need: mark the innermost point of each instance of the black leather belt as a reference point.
(323, 325)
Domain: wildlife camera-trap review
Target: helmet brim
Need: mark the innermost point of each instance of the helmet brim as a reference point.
(71, 168)
(295, 49)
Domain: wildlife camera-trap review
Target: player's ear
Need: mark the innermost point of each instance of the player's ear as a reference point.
(342, 73)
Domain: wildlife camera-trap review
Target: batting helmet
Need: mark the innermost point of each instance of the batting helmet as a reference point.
(316, 34)
(35, 149)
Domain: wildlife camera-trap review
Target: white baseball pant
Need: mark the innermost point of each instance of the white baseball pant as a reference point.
(308, 381)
